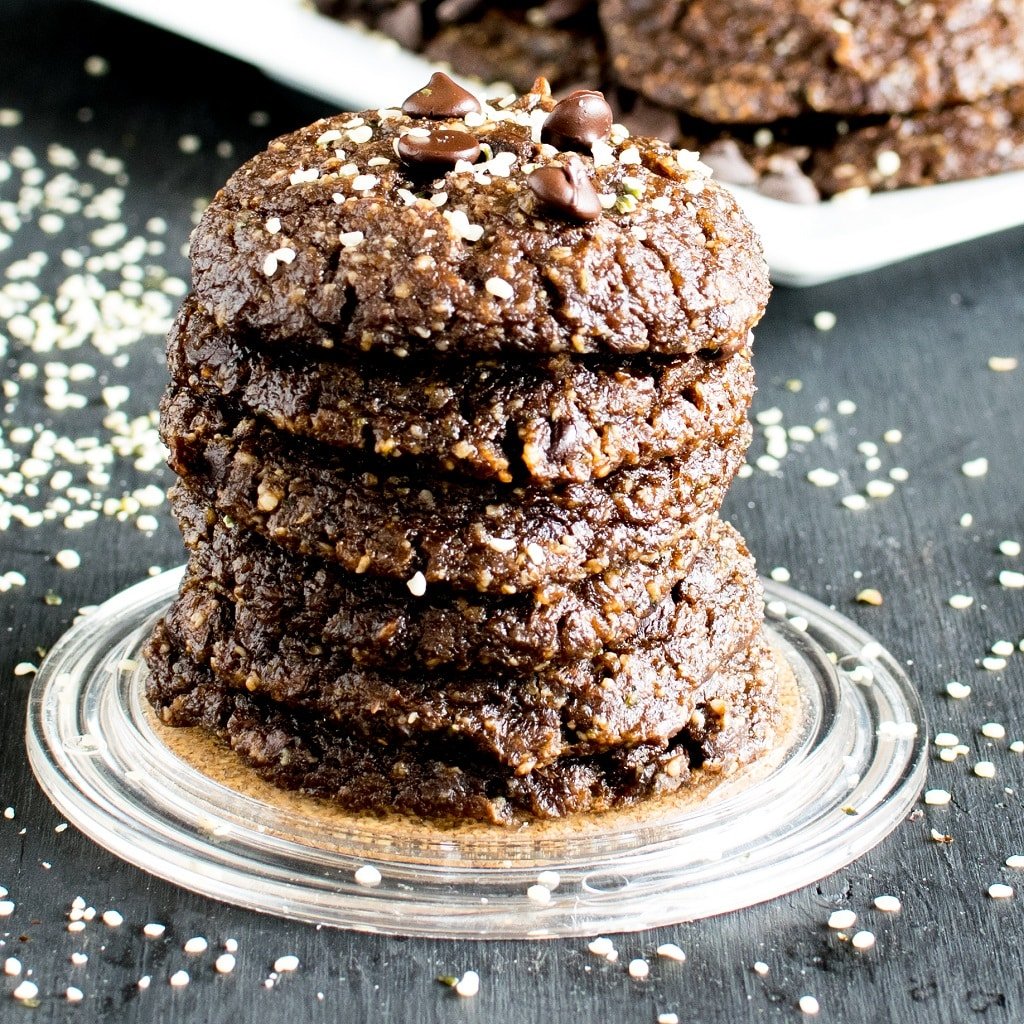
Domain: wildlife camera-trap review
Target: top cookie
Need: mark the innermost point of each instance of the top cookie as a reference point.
(461, 227)
(732, 61)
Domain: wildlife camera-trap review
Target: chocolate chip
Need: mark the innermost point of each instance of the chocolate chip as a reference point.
(729, 164)
(566, 191)
(441, 98)
(440, 149)
(578, 121)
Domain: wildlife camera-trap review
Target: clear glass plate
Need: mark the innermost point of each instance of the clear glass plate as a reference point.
(850, 768)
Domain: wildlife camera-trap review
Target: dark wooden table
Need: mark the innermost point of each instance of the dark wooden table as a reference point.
(910, 349)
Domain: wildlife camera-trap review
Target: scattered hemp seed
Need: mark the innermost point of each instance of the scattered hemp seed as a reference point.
(841, 919)
(870, 596)
(1000, 891)
(286, 964)
(639, 969)
(670, 951)
(808, 1005)
(179, 979)
(368, 876)
(937, 797)
(824, 320)
(499, 288)
(863, 940)
(538, 894)
(888, 904)
(68, 559)
(26, 991)
(961, 601)
(1002, 364)
(1011, 580)
(468, 985)
(985, 769)
(993, 731)
(975, 467)
(821, 477)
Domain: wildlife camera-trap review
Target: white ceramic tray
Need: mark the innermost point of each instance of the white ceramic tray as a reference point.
(290, 41)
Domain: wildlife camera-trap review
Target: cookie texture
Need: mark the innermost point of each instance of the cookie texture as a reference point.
(546, 421)
(365, 253)
(442, 780)
(474, 536)
(375, 624)
(759, 61)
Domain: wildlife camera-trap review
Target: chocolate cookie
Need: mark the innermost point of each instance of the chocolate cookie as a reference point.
(329, 238)
(731, 61)
(501, 41)
(643, 694)
(467, 534)
(374, 622)
(546, 421)
(442, 778)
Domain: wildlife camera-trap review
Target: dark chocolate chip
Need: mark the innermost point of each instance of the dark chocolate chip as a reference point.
(440, 149)
(578, 121)
(566, 191)
(724, 157)
(441, 98)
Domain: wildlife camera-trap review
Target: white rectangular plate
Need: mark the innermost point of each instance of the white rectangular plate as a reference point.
(804, 244)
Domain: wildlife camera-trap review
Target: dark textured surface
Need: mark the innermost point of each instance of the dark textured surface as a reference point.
(910, 349)
(682, 252)
(757, 60)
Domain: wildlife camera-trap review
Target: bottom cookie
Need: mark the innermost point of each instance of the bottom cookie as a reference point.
(431, 780)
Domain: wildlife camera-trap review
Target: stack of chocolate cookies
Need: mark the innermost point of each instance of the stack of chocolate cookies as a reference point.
(455, 401)
(800, 99)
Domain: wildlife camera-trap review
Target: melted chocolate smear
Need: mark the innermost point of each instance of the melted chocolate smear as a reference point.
(578, 121)
(566, 191)
(440, 149)
(441, 98)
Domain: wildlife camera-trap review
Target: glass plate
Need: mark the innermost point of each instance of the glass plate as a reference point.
(849, 769)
